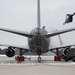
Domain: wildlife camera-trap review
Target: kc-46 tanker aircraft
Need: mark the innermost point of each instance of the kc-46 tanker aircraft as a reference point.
(38, 40)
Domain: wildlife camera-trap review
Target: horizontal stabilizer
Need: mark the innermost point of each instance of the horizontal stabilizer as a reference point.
(59, 32)
(17, 32)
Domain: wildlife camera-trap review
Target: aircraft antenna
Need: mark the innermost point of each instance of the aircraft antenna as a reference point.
(38, 14)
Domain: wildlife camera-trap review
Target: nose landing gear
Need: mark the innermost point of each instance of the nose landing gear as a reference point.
(39, 59)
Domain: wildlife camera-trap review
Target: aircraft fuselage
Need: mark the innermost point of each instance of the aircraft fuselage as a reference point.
(39, 43)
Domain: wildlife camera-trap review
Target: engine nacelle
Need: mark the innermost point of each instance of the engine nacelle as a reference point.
(66, 50)
(10, 52)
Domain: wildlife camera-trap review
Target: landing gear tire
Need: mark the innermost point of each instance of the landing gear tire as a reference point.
(57, 58)
(73, 59)
(66, 59)
(19, 58)
(39, 59)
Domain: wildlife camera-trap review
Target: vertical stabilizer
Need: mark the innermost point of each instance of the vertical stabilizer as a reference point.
(38, 13)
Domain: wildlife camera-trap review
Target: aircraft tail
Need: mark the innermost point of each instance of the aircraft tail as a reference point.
(38, 14)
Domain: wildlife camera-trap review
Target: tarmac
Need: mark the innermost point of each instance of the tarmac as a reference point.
(8, 66)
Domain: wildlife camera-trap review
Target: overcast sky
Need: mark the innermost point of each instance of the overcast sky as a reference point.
(22, 15)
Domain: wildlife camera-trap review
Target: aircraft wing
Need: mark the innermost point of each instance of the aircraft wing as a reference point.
(62, 46)
(23, 47)
(17, 32)
(59, 32)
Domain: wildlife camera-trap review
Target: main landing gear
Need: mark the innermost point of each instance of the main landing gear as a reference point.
(57, 57)
(20, 57)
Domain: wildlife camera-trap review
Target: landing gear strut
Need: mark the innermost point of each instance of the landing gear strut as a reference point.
(39, 59)
(58, 57)
(20, 57)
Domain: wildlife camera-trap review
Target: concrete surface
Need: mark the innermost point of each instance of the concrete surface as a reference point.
(8, 66)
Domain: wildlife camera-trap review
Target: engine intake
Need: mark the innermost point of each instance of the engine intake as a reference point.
(10, 52)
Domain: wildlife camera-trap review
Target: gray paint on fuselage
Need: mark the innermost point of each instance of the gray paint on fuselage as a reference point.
(44, 42)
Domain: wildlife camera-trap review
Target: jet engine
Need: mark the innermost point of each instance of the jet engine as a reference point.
(10, 52)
